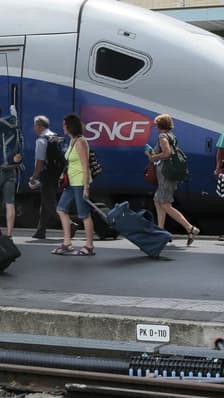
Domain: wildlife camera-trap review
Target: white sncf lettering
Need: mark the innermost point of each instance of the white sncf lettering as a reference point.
(96, 129)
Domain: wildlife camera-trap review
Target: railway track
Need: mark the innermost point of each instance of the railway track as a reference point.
(74, 384)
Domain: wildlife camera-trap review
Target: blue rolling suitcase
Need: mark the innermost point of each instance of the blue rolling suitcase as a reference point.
(139, 228)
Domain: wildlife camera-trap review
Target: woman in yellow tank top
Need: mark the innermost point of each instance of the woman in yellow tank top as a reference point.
(79, 176)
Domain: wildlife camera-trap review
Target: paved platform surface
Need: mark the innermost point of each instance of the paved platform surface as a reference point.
(106, 296)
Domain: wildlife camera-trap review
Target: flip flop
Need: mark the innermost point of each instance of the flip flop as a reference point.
(84, 251)
(63, 249)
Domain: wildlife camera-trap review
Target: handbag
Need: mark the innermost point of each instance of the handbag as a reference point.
(220, 185)
(150, 175)
(63, 181)
(94, 165)
(175, 168)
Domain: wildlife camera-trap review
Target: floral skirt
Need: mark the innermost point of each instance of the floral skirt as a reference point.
(166, 188)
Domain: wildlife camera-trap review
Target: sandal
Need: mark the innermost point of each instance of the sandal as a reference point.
(84, 251)
(63, 249)
(194, 231)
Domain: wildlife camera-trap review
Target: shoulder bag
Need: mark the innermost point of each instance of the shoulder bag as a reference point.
(175, 168)
(63, 181)
(94, 165)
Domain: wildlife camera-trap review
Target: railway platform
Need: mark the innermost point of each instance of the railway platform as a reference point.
(119, 295)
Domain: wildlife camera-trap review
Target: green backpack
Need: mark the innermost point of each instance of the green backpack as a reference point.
(175, 168)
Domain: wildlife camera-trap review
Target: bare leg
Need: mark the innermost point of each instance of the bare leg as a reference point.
(177, 216)
(66, 225)
(161, 215)
(10, 217)
(88, 225)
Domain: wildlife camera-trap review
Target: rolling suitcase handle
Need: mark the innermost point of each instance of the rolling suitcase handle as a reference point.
(100, 220)
(95, 207)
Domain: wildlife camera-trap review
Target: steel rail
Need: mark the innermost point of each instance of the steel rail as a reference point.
(85, 390)
(33, 378)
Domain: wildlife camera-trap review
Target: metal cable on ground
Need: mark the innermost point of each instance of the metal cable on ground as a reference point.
(63, 361)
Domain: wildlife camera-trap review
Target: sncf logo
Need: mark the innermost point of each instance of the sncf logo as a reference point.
(108, 126)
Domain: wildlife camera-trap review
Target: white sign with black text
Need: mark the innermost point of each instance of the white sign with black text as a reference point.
(157, 333)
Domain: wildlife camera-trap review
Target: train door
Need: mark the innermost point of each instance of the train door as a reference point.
(11, 57)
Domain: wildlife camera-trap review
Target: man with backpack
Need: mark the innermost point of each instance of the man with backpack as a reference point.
(11, 152)
(49, 164)
(48, 185)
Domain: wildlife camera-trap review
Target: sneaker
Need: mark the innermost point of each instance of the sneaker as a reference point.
(39, 235)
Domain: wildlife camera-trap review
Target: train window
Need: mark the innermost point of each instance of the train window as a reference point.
(117, 66)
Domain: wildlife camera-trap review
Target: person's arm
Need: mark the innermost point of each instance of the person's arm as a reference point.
(82, 149)
(40, 156)
(39, 164)
(219, 160)
(165, 150)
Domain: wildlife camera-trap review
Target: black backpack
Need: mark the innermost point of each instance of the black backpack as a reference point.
(55, 155)
(11, 142)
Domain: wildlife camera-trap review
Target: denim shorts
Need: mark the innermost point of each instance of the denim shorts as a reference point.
(8, 185)
(71, 195)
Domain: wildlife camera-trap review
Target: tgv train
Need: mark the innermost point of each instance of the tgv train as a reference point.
(117, 66)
